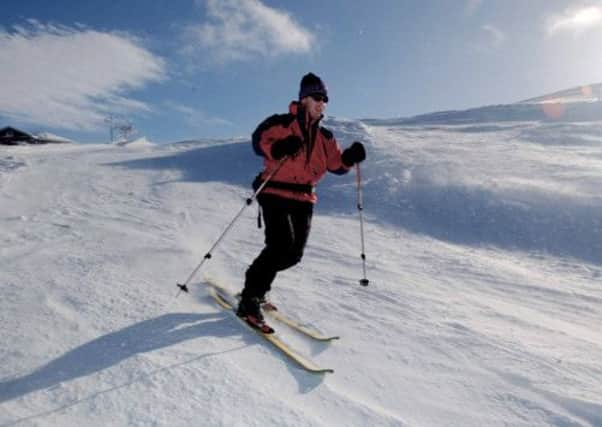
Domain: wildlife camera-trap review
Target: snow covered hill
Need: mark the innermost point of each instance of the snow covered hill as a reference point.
(484, 247)
(578, 104)
(585, 93)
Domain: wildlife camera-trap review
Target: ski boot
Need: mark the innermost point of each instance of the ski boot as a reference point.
(249, 309)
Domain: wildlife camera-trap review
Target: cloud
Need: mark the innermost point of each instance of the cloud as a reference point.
(472, 6)
(238, 30)
(496, 35)
(71, 78)
(196, 118)
(575, 20)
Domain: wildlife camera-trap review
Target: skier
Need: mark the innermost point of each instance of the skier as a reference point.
(307, 151)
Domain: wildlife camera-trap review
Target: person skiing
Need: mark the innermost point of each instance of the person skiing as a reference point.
(300, 151)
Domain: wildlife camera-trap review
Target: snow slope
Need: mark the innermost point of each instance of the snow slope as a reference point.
(561, 107)
(484, 256)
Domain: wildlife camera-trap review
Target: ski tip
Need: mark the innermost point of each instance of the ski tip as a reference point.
(325, 339)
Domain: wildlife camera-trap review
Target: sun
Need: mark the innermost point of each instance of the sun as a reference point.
(587, 16)
(577, 21)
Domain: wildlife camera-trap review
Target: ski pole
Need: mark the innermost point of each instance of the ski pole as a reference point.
(364, 281)
(184, 286)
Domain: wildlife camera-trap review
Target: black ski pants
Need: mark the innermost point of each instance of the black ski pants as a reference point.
(287, 225)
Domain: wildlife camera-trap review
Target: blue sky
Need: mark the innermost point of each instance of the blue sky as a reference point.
(185, 69)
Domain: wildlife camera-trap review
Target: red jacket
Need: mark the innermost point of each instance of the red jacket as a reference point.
(320, 153)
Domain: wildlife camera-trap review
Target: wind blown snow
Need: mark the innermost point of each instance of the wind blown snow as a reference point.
(484, 253)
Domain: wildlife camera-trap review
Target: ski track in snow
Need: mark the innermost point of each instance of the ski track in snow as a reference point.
(484, 304)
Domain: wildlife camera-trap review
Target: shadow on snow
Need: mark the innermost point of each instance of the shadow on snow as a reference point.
(114, 348)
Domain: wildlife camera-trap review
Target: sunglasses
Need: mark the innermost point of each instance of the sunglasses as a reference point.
(319, 98)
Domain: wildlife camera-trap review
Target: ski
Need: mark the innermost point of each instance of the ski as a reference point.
(228, 302)
(276, 314)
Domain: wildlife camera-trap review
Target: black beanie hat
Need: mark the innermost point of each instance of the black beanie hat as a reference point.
(312, 84)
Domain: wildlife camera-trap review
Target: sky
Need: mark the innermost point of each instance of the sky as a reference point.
(189, 69)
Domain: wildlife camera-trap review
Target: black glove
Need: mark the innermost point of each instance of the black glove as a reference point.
(354, 154)
(286, 147)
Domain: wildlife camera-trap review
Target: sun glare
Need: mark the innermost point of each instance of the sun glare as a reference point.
(587, 16)
(576, 20)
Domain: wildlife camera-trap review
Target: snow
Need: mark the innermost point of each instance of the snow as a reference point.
(585, 93)
(484, 253)
(136, 142)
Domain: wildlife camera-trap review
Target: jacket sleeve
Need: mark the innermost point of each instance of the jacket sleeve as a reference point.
(272, 129)
(334, 154)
